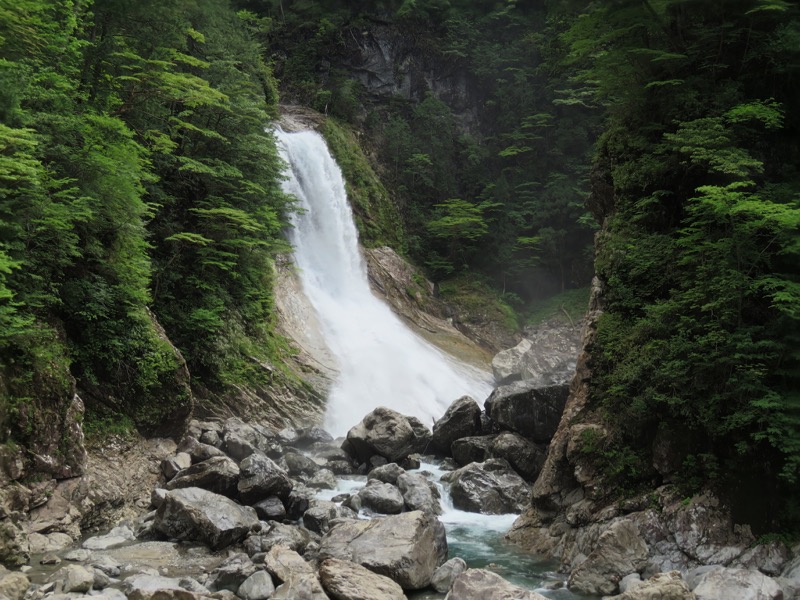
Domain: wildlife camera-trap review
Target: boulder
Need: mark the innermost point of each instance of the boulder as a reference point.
(200, 515)
(197, 450)
(445, 575)
(13, 585)
(300, 587)
(662, 586)
(312, 435)
(419, 493)
(240, 439)
(490, 487)
(345, 580)
(387, 433)
(742, 584)
(387, 473)
(172, 466)
(383, 498)
(270, 509)
(461, 419)
(15, 547)
(769, 558)
(318, 517)
(116, 537)
(407, 548)
(620, 550)
(261, 478)
(258, 586)
(231, 573)
(528, 409)
(298, 464)
(472, 449)
(525, 457)
(218, 474)
(283, 563)
(324, 479)
(479, 584)
(73, 578)
(279, 534)
(156, 587)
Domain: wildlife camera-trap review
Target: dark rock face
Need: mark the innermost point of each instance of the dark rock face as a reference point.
(461, 419)
(523, 455)
(491, 487)
(387, 433)
(525, 408)
(473, 449)
(381, 498)
(218, 474)
(199, 515)
(270, 509)
(260, 478)
(406, 548)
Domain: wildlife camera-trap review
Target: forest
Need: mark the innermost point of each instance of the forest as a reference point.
(654, 143)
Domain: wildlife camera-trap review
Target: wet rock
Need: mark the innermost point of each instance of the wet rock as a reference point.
(156, 587)
(240, 439)
(407, 548)
(231, 574)
(270, 509)
(387, 473)
(116, 537)
(298, 464)
(383, 498)
(662, 586)
(419, 493)
(324, 479)
(101, 580)
(261, 478)
(106, 564)
(73, 578)
(525, 457)
(347, 580)
(445, 575)
(218, 474)
(619, 551)
(479, 584)
(298, 502)
(461, 419)
(197, 514)
(528, 409)
(490, 487)
(174, 465)
(258, 586)
(742, 584)
(472, 449)
(387, 433)
(52, 542)
(49, 559)
(318, 517)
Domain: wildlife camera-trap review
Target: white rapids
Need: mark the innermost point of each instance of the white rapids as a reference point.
(380, 361)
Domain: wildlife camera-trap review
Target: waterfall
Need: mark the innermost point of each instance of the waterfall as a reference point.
(381, 362)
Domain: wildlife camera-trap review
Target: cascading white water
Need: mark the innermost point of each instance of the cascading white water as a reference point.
(381, 362)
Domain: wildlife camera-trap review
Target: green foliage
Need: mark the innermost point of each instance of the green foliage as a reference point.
(569, 307)
(479, 302)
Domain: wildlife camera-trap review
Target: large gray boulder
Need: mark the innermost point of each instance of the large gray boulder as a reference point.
(445, 575)
(479, 584)
(387, 433)
(523, 455)
(742, 584)
(218, 474)
(662, 586)
(198, 451)
(419, 493)
(259, 586)
(383, 498)
(407, 548)
(297, 577)
(299, 464)
(490, 487)
(278, 534)
(476, 448)
(199, 515)
(321, 512)
(528, 409)
(345, 580)
(619, 551)
(261, 478)
(461, 419)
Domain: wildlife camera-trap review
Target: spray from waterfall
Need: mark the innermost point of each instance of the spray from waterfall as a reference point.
(381, 361)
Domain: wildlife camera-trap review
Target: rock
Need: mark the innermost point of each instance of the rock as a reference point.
(78, 555)
(298, 502)
(156, 587)
(283, 563)
(324, 479)
(490, 487)
(218, 474)
(231, 574)
(281, 534)
(444, 576)
(525, 457)
(197, 450)
(619, 551)
(107, 565)
(742, 584)
(769, 558)
(261, 478)
(387, 473)
(157, 497)
(631, 581)
(101, 580)
(270, 509)
(318, 517)
(407, 548)
(528, 409)
(472, 449)
(461, 419)
(479, 584)
(172, 466)
(662, 586)
(419, 493)
(73, 578)
(52, 542)
(116, 537)
(389, 434)
(197, 514)
(240, 439)
(15, 548)
(383, 498)
(547, 355)
(13, 585)
(301, 587)
(312, 435)
(345, 580)
(258, 586)
(297, 464)
(49, 559)
(211, 438)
